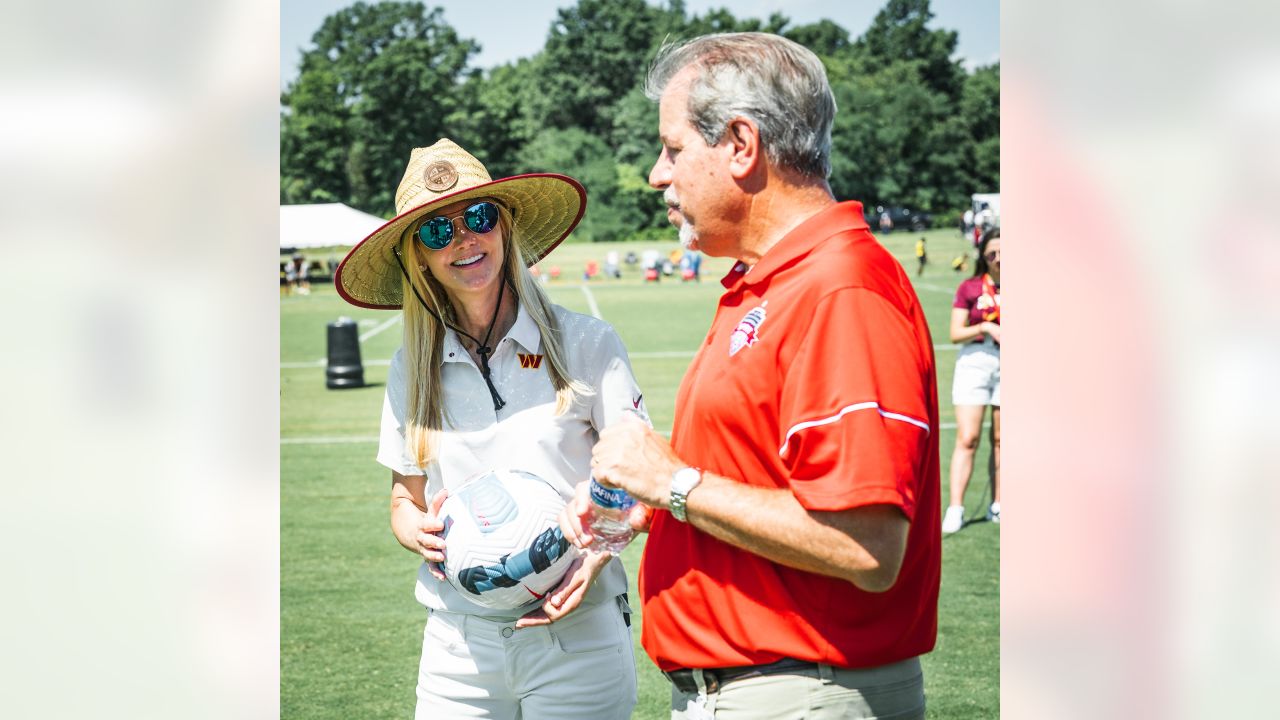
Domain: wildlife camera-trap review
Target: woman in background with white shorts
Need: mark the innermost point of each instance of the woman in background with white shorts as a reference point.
(975, 323)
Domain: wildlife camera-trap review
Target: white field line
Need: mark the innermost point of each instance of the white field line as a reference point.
(322, 362)
(394, 319)
(640, 355)
(663, 354)
(327, 440)
(934, 288)
(591, 302)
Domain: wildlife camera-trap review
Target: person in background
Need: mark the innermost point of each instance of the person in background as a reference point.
(493, 376)
(651, 263)
(922, 255)
(302, 268)
(975, 323)
(793, 560)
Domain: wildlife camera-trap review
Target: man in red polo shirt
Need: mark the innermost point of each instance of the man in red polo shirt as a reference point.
(793, 560)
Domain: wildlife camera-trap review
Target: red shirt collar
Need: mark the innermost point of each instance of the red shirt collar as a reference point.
(797, 243)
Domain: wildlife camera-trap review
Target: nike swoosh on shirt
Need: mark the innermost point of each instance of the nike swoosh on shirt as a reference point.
(526, 587)
(636, 402)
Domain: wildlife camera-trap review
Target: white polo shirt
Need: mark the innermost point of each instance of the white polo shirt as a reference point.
(525, 434)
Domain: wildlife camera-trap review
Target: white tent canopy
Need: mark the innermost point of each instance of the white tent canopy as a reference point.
(307, 226)
(991, 199)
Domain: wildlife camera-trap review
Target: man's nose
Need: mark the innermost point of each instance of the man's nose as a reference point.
(660, 175)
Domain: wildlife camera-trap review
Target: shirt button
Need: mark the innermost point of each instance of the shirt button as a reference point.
(506, 632)
(450, 354)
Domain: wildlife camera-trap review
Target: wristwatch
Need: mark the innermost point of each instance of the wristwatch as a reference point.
(683, 481)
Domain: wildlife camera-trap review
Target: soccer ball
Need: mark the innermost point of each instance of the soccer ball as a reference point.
(503, 544)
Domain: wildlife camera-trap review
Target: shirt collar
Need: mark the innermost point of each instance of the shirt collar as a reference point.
(524, 331)
(797, 243)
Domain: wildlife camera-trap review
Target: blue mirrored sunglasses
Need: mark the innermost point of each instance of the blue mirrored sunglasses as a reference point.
(437, 232)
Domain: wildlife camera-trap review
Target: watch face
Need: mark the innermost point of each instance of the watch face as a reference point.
(685, 479)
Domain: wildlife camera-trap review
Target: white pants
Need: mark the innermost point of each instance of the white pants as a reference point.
(977, 376)
(581, 667)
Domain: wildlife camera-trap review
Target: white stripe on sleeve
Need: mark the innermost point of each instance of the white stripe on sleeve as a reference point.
(845, 411)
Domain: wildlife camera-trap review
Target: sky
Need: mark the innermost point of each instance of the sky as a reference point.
(510, 29)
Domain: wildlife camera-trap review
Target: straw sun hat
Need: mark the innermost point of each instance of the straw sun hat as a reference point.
(544, 208)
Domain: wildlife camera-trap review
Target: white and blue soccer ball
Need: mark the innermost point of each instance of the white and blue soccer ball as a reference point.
(503, 545)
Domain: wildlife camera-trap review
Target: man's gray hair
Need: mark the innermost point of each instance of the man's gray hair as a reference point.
(778, 84)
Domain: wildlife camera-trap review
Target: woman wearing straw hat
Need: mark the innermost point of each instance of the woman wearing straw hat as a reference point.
(492, 375)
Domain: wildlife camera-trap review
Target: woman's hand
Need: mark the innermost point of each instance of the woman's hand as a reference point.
(575, 518)
(992, 330)
(430, 544)
(567, 596)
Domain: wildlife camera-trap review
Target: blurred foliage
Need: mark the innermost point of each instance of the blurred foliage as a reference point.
(913, 127)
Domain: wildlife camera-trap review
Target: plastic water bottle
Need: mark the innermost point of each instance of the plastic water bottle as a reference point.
(610, 508)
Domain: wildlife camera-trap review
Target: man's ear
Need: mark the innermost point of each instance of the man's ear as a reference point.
(744, 141)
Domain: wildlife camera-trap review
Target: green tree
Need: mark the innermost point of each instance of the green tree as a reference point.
(899, 33)
(824, 38)
(586, 158)
(980, 107)
(913, 127)
(634, 135)
(313, 140)
(492, 118)
(381, 80)
(596, 52)
(895, 139)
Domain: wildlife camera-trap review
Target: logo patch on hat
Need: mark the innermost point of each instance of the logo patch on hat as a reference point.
(440, 176)
(748, 330)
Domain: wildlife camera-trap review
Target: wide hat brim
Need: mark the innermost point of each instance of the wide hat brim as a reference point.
(545, 208)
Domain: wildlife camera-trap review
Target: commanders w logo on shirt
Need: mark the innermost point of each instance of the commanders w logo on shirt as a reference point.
(529, 360)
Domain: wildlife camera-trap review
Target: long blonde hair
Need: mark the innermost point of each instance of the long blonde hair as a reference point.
(424, 340)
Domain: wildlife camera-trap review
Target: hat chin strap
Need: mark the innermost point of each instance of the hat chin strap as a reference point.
(482, 346)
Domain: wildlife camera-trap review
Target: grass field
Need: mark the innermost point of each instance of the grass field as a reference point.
(350, 627)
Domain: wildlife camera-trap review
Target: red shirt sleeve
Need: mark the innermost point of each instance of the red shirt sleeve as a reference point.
(854, 410)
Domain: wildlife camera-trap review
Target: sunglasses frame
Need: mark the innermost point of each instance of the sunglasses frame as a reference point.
(466, 215)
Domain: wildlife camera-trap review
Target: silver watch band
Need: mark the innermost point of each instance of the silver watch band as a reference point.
(683, 481)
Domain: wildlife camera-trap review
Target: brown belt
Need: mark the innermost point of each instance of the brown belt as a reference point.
(716, 677)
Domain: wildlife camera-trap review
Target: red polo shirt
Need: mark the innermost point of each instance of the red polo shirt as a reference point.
(817, 376)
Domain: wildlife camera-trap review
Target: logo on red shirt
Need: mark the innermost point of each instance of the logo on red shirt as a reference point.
(748, 330)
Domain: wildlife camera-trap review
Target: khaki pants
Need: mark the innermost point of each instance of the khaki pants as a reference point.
(887, 692)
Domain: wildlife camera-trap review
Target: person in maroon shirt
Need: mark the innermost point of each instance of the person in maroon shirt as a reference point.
(975, 323)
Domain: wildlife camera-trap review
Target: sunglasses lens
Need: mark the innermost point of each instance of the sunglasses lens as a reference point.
(481, 217)
(991, 256)
(436, 233)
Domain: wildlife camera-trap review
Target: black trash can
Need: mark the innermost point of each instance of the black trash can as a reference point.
(345, 369)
